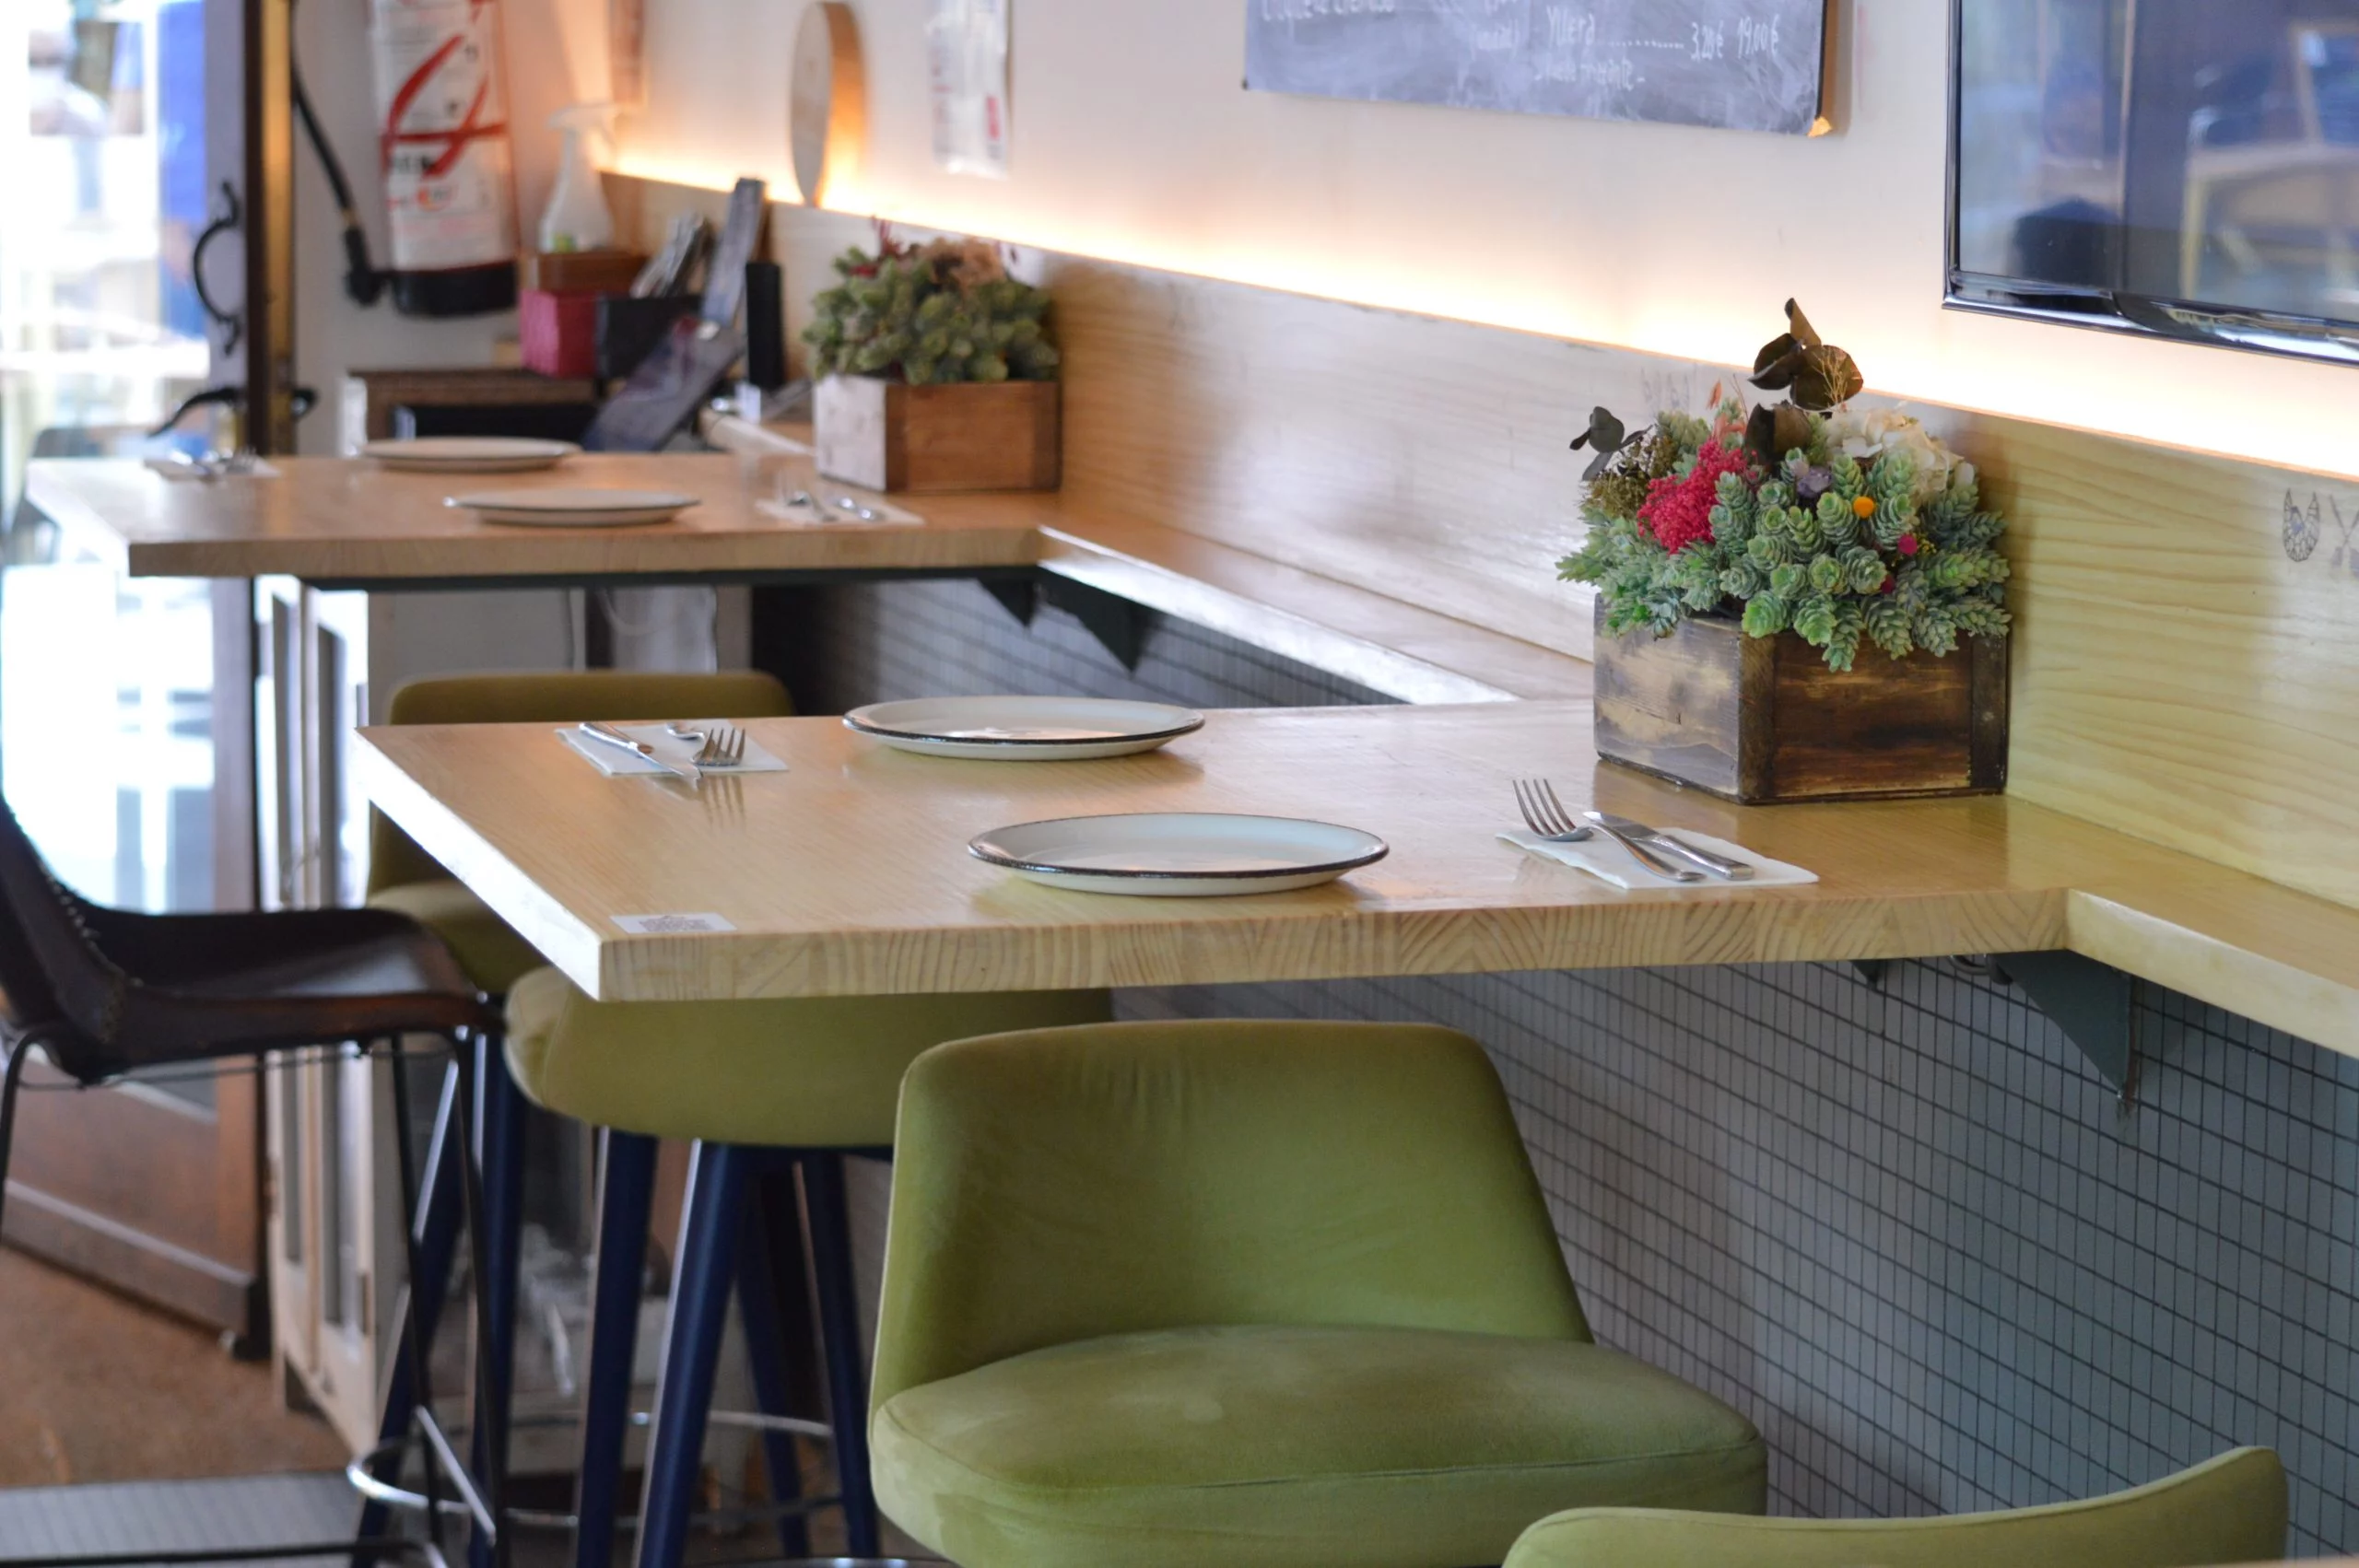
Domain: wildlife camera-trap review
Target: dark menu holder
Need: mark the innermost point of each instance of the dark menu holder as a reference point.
(629, 329)
(741, 236)
(666, 391)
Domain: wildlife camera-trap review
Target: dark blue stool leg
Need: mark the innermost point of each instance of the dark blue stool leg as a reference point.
(499, 1150)
(766, 1355)
(700, 1280)
(434, 1237)
(626, 1196)
(830, 1222)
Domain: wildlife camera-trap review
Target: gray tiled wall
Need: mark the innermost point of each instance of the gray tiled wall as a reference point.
(1905, 1226)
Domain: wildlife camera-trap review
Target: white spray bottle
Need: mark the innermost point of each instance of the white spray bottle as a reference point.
(576, 218)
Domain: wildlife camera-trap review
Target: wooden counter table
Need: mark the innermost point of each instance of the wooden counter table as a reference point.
(848, 874)
(348, 523)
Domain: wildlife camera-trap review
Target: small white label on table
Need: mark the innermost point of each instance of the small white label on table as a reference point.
(672, 925)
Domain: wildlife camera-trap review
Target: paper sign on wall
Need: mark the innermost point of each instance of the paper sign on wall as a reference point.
(966, 62)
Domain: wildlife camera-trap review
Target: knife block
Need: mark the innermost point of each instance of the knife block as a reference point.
(1763, 720)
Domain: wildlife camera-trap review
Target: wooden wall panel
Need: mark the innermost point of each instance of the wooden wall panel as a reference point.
(2187, 663)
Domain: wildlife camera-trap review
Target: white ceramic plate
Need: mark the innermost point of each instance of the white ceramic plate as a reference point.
(469, 454)
(1022, 729)
(1178, 854)
(575, 508)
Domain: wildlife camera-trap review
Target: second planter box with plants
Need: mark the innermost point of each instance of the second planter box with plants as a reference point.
(936, 372)
(1795, 602)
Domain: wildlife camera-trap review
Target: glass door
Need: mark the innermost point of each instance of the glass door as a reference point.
(125, 717)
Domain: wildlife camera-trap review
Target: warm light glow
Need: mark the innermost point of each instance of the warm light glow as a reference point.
(2144, 406)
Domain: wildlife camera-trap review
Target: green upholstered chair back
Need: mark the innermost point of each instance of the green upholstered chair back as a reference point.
(562, 696)
(1065, 1184)
(2231, 1509)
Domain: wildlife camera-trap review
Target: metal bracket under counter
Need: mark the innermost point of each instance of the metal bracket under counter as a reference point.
(2095, 1004)
(1118, 623)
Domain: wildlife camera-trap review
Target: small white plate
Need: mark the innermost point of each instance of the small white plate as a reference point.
(469, 454)
(1022, 729)
(1178, 854)
(574, 509)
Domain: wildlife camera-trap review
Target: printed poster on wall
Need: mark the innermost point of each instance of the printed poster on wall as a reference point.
(967, 62)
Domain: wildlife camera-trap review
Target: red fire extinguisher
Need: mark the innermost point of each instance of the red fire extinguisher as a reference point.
(448, 169)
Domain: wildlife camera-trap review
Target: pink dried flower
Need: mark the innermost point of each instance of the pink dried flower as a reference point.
(1678, 512)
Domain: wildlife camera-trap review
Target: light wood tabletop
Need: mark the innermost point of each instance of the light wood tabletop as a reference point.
(349, 521)
(848, 874)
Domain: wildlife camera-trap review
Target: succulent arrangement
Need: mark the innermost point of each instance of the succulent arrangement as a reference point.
(942, 311)
(1803, 516)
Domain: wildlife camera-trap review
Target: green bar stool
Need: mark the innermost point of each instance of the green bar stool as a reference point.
(2230, 1509)
(405, 879)
(757, 1085)
(1261, 1295)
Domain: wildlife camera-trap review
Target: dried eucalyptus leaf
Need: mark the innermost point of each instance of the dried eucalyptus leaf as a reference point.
(1774, 350)
(1826, 376)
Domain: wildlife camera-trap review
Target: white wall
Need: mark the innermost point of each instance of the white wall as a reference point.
(1134, 141)
(557, 54)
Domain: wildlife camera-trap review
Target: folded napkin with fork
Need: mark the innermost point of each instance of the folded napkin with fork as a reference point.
(1604, 858)
(805, 510)
(615, 760)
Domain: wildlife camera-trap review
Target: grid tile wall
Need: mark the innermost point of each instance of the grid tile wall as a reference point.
(1905, 1226)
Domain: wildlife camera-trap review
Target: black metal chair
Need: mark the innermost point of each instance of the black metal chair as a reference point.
(105, 992)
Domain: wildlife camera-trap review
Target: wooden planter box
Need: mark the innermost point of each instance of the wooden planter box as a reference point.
(1763, 719)
(966, 436)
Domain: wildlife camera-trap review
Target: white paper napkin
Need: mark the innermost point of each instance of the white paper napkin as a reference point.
(817, 509)
(615, 760)
(1604, 858)
(255, 469)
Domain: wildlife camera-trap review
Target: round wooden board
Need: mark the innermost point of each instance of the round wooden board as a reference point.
(827, 117)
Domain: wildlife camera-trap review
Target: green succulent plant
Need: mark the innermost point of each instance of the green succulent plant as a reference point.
(1836, 549)
(943, 312)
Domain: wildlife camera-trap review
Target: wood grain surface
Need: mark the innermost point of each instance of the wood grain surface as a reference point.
(2186, 663)
(350, 520)
(847, 874)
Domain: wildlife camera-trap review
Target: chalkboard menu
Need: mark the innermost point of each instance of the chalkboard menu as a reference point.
(1740, 64)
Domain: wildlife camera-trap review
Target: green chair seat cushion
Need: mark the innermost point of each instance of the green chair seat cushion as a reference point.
(487, 947)
(2230, 1509)
(1321, 1448)
(802, 1072)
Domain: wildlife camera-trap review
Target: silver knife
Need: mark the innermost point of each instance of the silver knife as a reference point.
(615, 737)
(1621, 827)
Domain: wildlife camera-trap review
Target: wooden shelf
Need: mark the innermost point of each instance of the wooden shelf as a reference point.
(886, 900)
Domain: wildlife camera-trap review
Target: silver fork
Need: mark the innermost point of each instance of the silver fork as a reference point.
(724, 746)
(1546, 817)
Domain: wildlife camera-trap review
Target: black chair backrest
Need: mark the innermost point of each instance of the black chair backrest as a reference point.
(56, 978)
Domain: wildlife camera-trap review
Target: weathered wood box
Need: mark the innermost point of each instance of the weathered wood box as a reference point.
(1763, 719)
(966, 436)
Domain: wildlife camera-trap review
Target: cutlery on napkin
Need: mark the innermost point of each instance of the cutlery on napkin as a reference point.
(1610, 862)
(613, 760)
(833, 508)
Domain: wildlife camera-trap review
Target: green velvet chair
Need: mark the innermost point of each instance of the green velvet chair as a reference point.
(1258, 1294)
(773, 1087)
(2231, 1509)
(405, 878)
